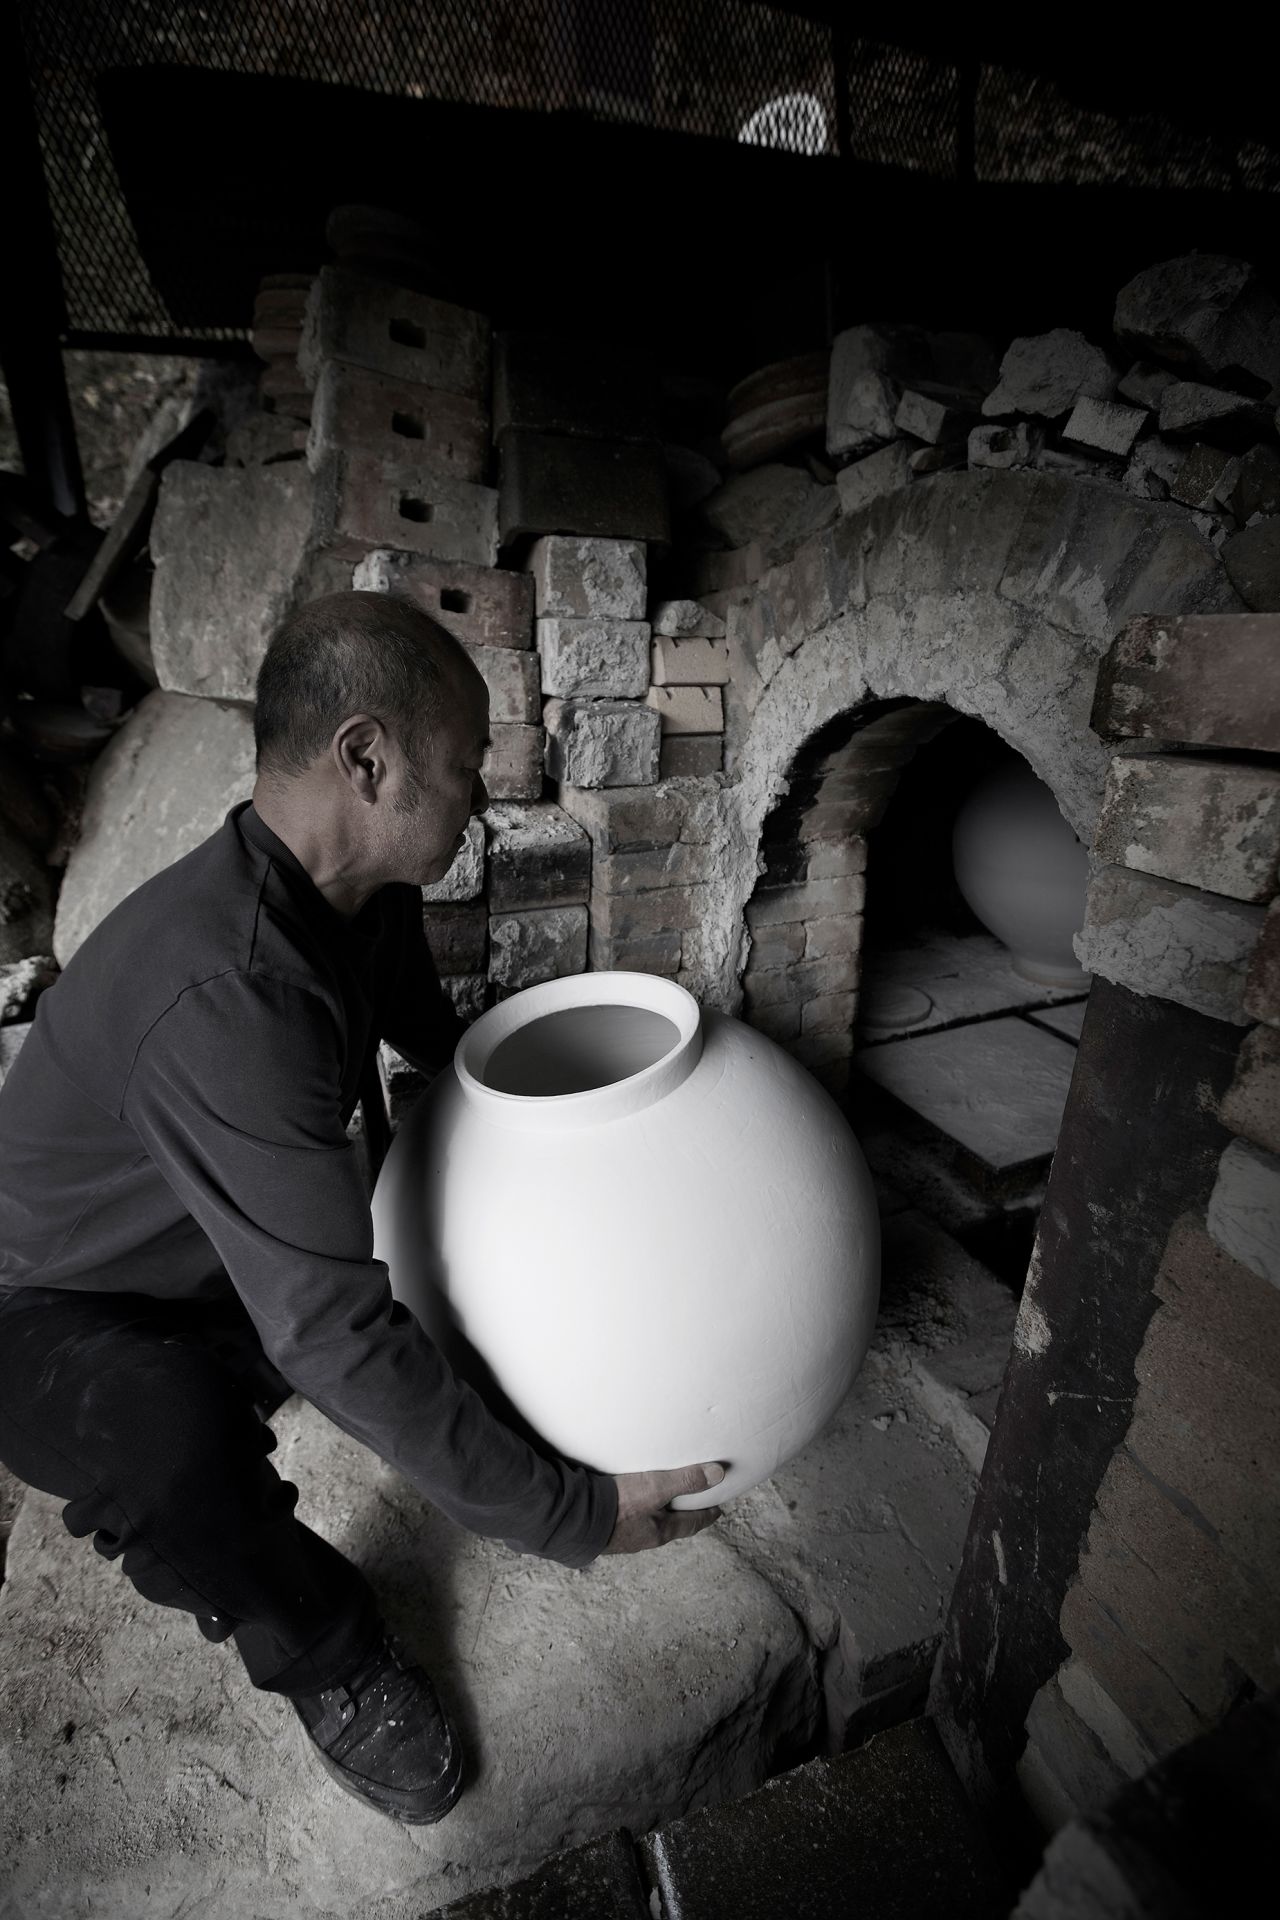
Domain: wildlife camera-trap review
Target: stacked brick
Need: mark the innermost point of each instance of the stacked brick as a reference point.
(652, 866)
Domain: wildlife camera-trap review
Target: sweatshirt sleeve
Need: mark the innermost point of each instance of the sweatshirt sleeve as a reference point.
(415, 1013)
(234, 1093)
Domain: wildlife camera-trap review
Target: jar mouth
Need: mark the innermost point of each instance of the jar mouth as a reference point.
(573, 1052)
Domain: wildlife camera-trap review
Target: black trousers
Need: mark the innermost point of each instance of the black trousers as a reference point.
(148, 1418)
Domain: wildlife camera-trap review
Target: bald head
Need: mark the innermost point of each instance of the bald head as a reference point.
(352, 653)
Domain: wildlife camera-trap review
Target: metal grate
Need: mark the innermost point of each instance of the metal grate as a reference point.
(721, 69)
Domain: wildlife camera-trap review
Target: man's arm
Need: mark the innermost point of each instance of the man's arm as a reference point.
(234, 1093)
(415, 1014)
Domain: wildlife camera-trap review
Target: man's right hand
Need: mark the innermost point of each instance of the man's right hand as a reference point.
(645, 1519)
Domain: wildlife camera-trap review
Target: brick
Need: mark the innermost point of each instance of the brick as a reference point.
(1157, 937)
(776, 947)
(1146, 1695)
(629, 819)
(814, 899)
(829, 1013)
(353, 409)
(686, 619)
(644, 953)
(687, 709)
(1244, 1209)
(1204, 822)
(1262, 983)
(1105, 425)
(538, 857)
(840, 933)
(229, 546)
(469, 993)
(603, 657)
(513, 764)
(600, 488)
(833, 859)
(690, 754)
(546, 944)
(465, 878)
(1251, 1105)
(394, 331)
(514, 683)
(363, 502)
(458, 936)
(1228, 1306)
(680, 865)
(1208, 680)
(601, 743)
(581, 579)
(690, 663)
(628, 916)
(481, 606)
(807, 980)
(554, 383)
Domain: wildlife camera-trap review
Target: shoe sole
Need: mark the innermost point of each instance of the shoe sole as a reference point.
(380, 1799)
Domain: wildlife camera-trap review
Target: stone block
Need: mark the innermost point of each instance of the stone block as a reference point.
(394, 331)
(1262, 984)
(631, 819)
(1015, 445)
(604, 657)
(469, 993)
(465, 878)
(545, 944)
(554, 383)
(561, 483)
(811, 900)
(162, 784)
(1205, 479)
(354, 410)
(1256, 489)
(1207, 312)
(631, 916)
(481, 606)
(685, 620)
(1157, 937)
(229, 547)
(685, 709)
(21, 984)
(364, 501)
(835, 933)
(1144, 383)
(514, 681)
(689, 663)
(513, 764)
(873, 476)
(1252, 559)
(829, 859)
(1244, 1208)
(1210, 680)
(602, 743)
(538, 857)
(1206, 823)
(685, 755)
(1251, 1105)
(1105, 425)
(658, 953)
(458, 936)
(778, 946)
(940, 419)
(582, 579)
(1046, 374)
(680, 865)
(1192, 411)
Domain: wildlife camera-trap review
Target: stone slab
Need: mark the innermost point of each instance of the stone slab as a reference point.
(582, 579)
(962, 976)
(1068, 1020)
(1157, 937)
(563, 483)
(229, 547)
(1209, 680)
(481, 606)
(394, 331)
(621, 1696)
(1204, 822)
(458, 936)
(164, 783)
(997, 1087)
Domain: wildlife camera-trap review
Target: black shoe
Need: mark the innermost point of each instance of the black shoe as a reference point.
(384, 1736)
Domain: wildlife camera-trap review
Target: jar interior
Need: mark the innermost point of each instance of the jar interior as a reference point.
(579, 1048)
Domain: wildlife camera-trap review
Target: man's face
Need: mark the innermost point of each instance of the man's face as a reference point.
(435, 799)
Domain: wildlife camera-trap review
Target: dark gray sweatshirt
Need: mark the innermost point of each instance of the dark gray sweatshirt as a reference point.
(176, 1123)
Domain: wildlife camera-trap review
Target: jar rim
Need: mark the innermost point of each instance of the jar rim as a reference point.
(616, 1098)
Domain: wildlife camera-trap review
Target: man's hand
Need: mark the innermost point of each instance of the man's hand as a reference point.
(645, 1520)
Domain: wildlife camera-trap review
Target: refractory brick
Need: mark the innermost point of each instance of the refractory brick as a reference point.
(394, 331)
(538, 857)
(442, 433)
(513, 764)
(601, 743)
(581, 579)
(688, 709)
(595, 656)
(458, 936)
(686, 755)
(481, 606)
(690, 663)
(364, 501)
(547, 944)
(1205, 822)
(513, 681)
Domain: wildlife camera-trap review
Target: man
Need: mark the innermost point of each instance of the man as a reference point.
(184, 1233)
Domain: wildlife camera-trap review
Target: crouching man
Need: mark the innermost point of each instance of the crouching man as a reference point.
(185, 1236)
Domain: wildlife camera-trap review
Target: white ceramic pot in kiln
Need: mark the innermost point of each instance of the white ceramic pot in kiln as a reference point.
(1023, 872)
(651, 1223)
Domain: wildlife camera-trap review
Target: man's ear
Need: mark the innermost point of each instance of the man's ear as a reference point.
(359, 752)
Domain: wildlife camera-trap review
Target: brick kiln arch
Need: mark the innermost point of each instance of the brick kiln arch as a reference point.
(988, 593)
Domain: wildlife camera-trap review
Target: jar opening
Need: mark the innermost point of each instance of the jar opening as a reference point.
(577, 1049)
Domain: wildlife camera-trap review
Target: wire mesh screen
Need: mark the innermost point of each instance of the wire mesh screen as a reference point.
(722, 69)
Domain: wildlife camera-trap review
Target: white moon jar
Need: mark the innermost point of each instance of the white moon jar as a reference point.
(654, 1227)
(1024, 873)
